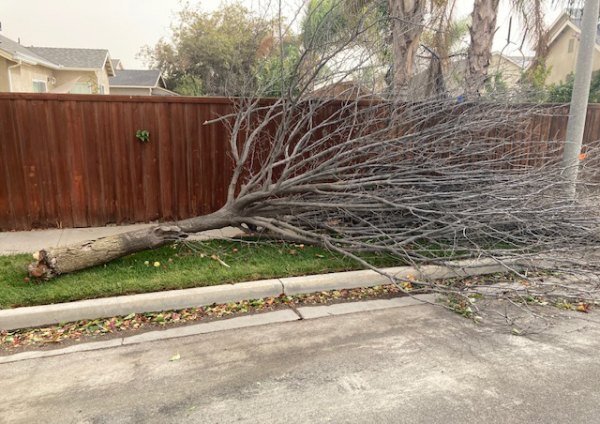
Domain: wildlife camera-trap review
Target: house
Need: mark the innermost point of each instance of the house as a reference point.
(137, 82)
(53, 70)
(504, 72)
(344, 90)
(563, 44)
(508, 68)
(503, 69)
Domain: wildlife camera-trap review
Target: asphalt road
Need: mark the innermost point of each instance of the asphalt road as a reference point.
(418, 364)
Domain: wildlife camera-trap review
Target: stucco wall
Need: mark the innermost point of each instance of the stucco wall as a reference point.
(130, 91)
(561, 61)
(22, 77)
(511, 73)
(158, 92)
(102, 78)
(4, 64)
(64, 79)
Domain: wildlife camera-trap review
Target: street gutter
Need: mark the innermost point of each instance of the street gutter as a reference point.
(244, 321)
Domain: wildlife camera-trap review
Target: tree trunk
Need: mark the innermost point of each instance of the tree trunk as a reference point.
(483, 28)
(61, 260)
(407, 25)
(436, 84)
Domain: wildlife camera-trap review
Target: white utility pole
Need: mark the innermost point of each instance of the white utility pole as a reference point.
(580, 96)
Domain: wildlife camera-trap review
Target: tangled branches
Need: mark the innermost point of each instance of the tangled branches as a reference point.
(420, 181)
(352, 167)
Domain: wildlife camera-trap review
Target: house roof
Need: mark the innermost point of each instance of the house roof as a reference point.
(73, 58)
(577, 22)
(136, 78)
(565, 21)
(57, 58)
(116, 64)
(19, 52)
(521, 61)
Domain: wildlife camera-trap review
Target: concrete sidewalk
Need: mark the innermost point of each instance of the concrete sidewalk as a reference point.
(30, 241)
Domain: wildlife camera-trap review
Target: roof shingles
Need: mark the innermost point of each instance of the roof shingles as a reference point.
(73, 58)
(17, 49)
(135, 78)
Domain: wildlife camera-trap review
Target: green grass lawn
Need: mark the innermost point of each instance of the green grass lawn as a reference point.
(181, 266)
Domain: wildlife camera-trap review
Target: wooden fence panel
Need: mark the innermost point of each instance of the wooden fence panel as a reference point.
(74, 160)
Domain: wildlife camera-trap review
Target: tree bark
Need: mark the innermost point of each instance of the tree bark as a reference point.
(483, 28)
(407, 18)
(61, 260)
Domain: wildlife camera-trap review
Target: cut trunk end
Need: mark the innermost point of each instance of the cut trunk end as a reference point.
(52, 262)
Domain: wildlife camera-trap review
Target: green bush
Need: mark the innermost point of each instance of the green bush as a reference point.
(561, 93)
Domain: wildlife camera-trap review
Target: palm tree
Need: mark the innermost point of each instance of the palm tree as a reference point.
(406, 21)
(442, 41)
(403, 20)
(483, 28)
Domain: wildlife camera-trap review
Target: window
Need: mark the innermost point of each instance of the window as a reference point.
(39, 86)
(571, 45)
(81, 88)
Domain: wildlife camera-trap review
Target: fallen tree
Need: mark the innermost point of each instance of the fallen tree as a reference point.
(352, 171)
(420, 181)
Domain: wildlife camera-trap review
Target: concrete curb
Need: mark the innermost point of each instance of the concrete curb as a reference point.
(285, 315)
(355, 279)
(37, 316)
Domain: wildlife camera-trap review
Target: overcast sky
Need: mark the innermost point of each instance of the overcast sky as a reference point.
(125, 26)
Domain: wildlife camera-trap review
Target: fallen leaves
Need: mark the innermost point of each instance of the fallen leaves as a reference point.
(583, 307)
(134, 321)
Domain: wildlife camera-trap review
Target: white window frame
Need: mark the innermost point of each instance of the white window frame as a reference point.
(38, 81)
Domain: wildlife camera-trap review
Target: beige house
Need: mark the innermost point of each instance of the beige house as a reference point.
(505, 70)
(137, 82)
(509, 68)
(53, 70)
(563, 45)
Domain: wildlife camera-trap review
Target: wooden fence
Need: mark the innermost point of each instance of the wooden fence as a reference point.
(74, 160)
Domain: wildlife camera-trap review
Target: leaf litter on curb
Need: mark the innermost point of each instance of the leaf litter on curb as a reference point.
(78, 330)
